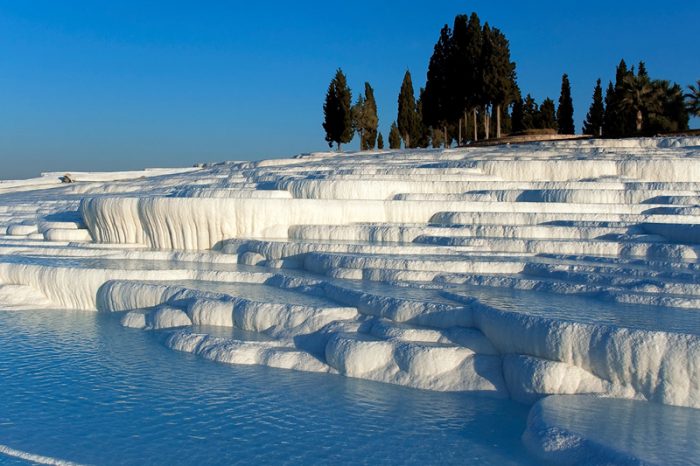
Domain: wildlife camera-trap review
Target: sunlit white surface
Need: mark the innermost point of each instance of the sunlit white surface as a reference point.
(511, 272)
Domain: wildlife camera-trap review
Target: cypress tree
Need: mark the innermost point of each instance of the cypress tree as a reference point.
(459, 73)
(531, 113)
(463, 77)
(515, 100)
(337, 111)
(618, 121)
(364, 118)
(474, 44)
(593, 124)
(509, 90)
(627, 119)
(517, 117)
(565, 112)
(357, 114)
(407, 118)
(423, 130)
(437, 97)
(489, 75)
(507, 122)
(608, 116)
(370, 120)
(692, 99)
(498, 74)
(642, 71)
(464, 70)
(394, 137)
(547, 118)
(380, 141)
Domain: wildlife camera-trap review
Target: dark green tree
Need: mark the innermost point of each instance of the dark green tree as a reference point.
(507, 121)
(642, 71)
(565, 111)
(593, 124)
(652, 106)
(337, 111)
(489, 76)
(407, 120)
(640, 98)
(364, 118)
(674, 107)
(531, 113)
(517, 116)
(464, 71)
(618, 122)
(371, 118)
(423, 130)
(610, 103)
(357, 116)
(437, 138)
(673, 115)
(474, 44)
(459, 74)
(692, 98)
(498, 86)
(438, 98)
(469, 72)
(547, 117)
(394, 137)
(380, 141)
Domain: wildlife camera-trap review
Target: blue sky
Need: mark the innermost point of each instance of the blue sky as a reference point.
(92, 85)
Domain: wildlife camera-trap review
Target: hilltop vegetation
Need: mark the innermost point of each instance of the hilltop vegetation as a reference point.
(471, 93)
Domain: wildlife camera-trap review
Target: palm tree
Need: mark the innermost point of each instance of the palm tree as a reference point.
(641, 96)
(693, 99)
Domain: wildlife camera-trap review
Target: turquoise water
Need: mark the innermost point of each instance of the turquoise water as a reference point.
(77, 386)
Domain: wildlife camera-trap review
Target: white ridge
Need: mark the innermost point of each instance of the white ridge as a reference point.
(11, 452)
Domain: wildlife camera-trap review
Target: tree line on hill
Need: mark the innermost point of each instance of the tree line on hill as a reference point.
(471, 93)
(638, 105)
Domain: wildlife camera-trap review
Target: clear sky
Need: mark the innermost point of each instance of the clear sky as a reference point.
(106, 85)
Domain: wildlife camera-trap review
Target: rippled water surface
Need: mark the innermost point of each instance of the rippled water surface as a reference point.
(657, 434)
(77, 386)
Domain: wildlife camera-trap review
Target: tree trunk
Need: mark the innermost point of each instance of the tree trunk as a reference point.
(444, 129)
(459, 133)
(466, 126)
(640, 118)
(476, 126)
(498, 121)
(339, 149)
(487, 126)
(407, 141)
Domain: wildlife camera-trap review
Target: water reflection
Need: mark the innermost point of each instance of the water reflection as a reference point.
(658, 434)
(76, 385)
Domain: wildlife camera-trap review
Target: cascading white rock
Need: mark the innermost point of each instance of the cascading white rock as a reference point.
(246, 352)
(162, 317)
(427, 230)
(530, 379)
(660, 366)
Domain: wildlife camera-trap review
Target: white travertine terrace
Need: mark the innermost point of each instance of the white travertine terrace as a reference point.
(523, 271)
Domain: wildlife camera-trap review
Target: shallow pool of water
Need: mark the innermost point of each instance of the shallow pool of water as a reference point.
(586, 309)
(653, 433)
(77, 386)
